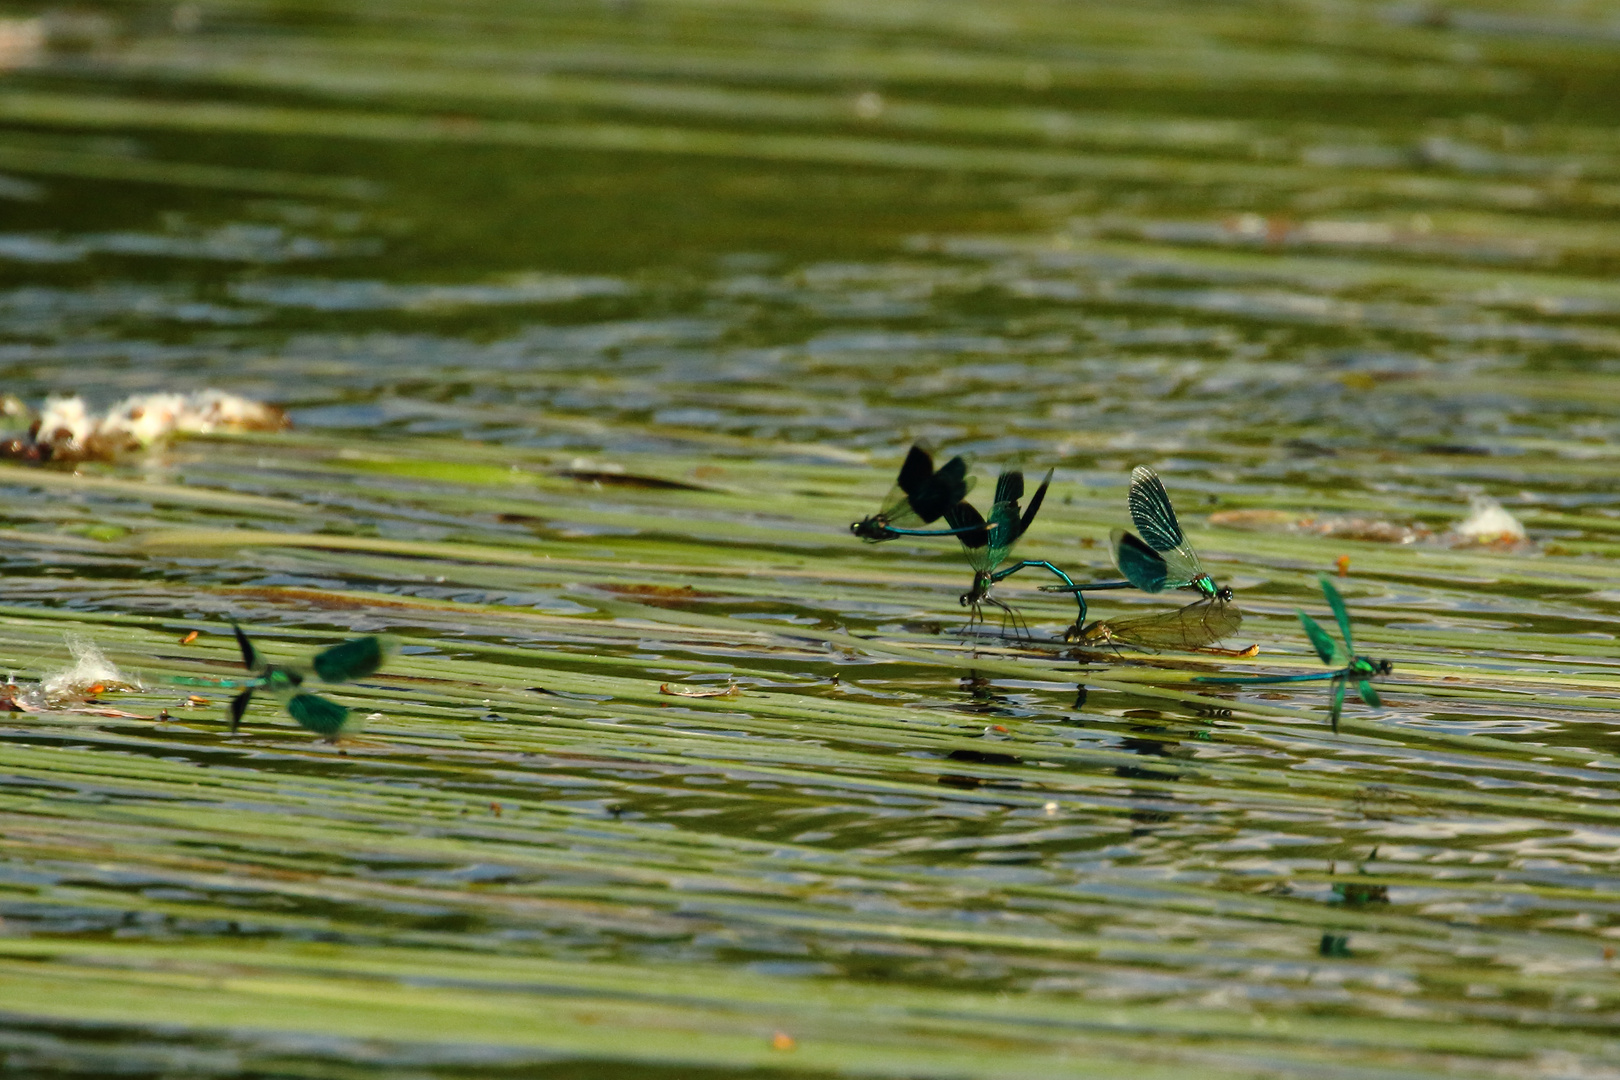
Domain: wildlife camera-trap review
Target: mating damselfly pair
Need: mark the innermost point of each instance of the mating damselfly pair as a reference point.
(1155, 558)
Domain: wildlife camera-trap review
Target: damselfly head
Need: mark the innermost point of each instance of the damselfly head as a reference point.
(975, 596)
(1224, 594)
(1385, 667)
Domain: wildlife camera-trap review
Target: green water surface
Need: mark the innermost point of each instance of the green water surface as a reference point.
(505, 264)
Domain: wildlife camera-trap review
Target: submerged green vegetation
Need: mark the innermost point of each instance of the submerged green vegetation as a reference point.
(597, 324)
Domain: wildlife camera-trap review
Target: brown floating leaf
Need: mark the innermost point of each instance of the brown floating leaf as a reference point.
(666, 596)
(609, 478)
(1345, 527)
(699, 691)
(325, 599)
(655, 590)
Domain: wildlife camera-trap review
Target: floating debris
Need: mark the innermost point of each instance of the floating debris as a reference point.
(61, 31)
(676, 690)
(660, 596)
(13, 698)
(90, 674)
(614, 477)
(72, 687)
(22, 42)
(65, 430)
(1342, 526)
(1488, 525)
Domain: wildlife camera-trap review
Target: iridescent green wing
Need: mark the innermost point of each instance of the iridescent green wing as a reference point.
(1006, 522)
(1140, 564)
(354, 659)
(1156, 523)
(1336, 602)
(1325, 647)
(316, 713)
(1338, 704)
(987, 543)
(1368, 694)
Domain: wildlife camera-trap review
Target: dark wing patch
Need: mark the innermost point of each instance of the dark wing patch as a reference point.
(941, 491)
(239, 705)
(250, 655)
(964, 516)
(1141, 565)
(1035, 504)
(916, 470)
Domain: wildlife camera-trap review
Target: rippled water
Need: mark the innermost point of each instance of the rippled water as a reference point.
(598, 323)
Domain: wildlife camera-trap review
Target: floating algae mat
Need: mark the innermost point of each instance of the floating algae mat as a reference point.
(596, 325)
